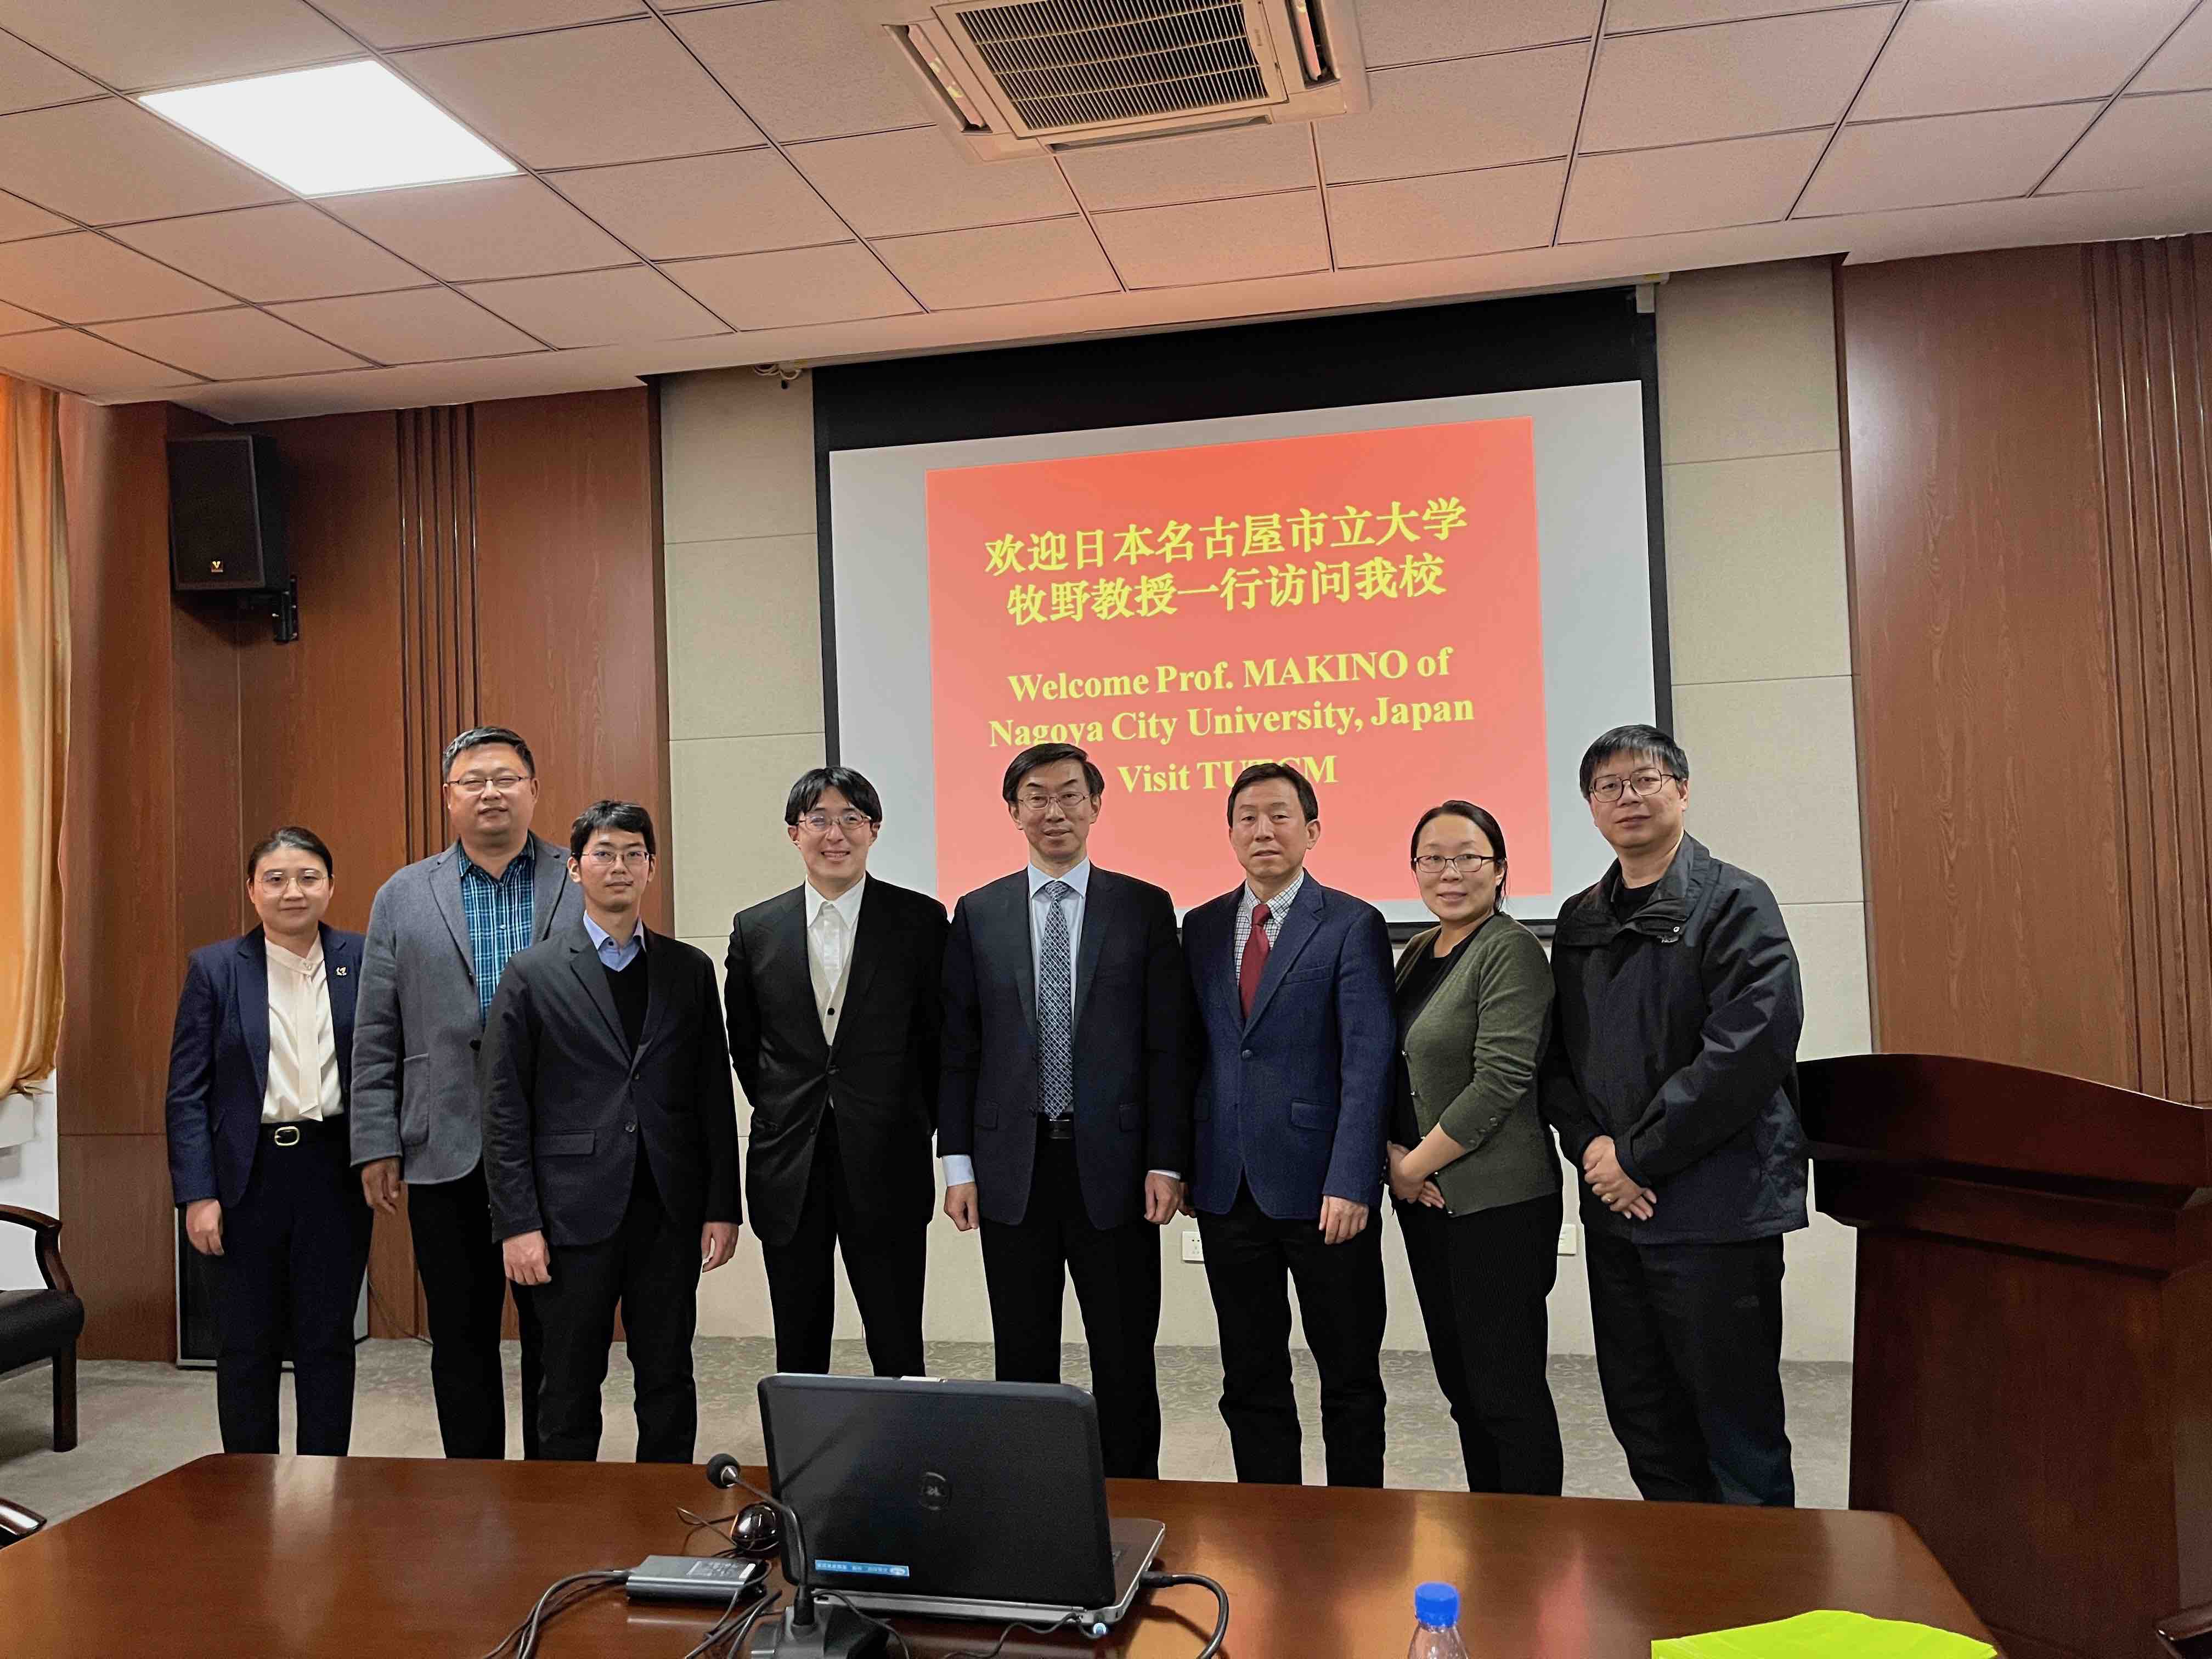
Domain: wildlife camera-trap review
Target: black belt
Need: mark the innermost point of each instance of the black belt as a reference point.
(305, 1132)
(1056, 1129)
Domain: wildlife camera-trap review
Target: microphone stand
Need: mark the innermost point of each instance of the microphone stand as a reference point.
(807, 1630)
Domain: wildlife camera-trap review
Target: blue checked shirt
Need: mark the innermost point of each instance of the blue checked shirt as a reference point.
(501, 915)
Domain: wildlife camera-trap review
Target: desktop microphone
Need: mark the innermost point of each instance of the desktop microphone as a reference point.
(802, 1633)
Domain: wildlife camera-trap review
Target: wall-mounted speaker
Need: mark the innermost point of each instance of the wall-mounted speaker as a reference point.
(226, 515)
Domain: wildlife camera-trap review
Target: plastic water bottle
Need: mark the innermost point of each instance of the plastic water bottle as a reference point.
(1436, 1623)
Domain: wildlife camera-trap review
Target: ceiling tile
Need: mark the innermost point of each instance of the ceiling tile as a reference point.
(29, 78)
(1627, 17)
(14, 321)
(110, 161)
(18, 218)
(421, 325)
(481, 228)
(1217, 241)
(1447, 118)
(1729, 80)
(138, 45)
(417, 22)
(1052, 259)
(1199, 167)
(615, 92)
(78, 362)
(804, 70)
(238, 344)
(898, 184)
(1656, 193)
(2185, 62)
(799, 285)
(743, 202)
(1449, 216)
(1988, 54)
(84, 278)
(288, 251)
(599, 307)
(2139, 142)
(1943, 158)
(1420, 31)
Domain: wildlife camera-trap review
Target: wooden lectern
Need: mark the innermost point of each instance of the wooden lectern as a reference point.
(2033, 1358)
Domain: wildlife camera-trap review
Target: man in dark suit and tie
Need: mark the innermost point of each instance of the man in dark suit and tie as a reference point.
(611, 1144)
(833, 994)
(259, 1081)
(1294, 985)
(1064, 1116)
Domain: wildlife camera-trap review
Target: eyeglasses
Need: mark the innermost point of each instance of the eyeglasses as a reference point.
(276, 881)
(475, 783)
(851, 823)
(1435, 864)
(1071, 801)
(1638, 784)
(605, 857)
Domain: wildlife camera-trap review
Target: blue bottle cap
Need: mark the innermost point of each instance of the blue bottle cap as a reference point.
(1436, 1604)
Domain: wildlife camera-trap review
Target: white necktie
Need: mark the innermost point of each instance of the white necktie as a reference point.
(829, 940)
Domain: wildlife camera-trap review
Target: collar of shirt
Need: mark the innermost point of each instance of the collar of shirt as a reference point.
(616, 956)
(1078, 878)
(301, 965)
(1277, 906)
(525, 860)
(846, 904)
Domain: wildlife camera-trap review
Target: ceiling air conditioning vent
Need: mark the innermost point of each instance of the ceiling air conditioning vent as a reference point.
(1015, 77)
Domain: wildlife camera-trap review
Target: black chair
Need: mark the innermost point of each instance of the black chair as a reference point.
(44, 1325)
(17, 1523)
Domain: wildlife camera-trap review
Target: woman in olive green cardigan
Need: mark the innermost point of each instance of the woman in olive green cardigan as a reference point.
(1473, 1169)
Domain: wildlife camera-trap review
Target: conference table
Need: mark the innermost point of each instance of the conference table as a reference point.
(307, 1556)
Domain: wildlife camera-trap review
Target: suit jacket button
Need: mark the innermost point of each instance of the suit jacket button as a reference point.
(629, 1128)
(1248, 1053)
(833, 1071)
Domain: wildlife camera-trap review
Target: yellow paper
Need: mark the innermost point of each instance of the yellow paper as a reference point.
(1826, 1635)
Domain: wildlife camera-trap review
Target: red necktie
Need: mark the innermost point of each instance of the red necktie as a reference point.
(1255, 959)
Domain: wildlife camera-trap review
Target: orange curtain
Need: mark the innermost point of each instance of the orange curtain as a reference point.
(34, 731)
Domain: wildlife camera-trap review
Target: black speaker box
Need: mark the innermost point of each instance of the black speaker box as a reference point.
(226, 515)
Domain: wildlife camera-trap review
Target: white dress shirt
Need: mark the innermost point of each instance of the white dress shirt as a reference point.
(303, 1054)
(959, 1168)
(832, 925)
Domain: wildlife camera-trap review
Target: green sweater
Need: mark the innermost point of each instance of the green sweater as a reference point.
(1471, 1052)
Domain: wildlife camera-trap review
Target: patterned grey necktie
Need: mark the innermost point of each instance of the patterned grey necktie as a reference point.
(1055, 1009)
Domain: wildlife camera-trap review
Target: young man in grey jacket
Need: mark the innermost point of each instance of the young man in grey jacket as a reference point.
(1672, 1083)
(440, 934)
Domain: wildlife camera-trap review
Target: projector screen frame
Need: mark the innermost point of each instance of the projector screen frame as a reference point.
(1588, 337)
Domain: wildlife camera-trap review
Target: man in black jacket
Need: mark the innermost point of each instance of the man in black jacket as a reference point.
(1672, 1083)
(611, 1144)
(832, 990)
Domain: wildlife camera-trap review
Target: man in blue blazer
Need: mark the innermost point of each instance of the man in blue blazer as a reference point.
(1293, 983)
(260, 1077)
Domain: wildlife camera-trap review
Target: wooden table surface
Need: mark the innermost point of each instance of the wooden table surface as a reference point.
(366, 1557)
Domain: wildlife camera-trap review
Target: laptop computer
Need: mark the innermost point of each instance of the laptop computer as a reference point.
(954, 1499)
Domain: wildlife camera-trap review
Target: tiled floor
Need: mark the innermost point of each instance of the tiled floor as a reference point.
(138, 1420)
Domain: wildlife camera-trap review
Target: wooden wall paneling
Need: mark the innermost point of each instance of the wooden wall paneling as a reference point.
(1985, 680)
(119, 1238)
(2150, 382)
(436, 500)
(571, 650)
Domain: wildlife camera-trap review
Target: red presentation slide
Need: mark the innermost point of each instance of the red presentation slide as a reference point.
(1364, 606)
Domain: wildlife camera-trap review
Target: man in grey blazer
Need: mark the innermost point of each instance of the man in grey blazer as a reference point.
(440, 934)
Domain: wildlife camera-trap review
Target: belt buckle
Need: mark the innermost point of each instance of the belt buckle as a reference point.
(287, 1134)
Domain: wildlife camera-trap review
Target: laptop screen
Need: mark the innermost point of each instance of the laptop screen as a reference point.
(969, 1491)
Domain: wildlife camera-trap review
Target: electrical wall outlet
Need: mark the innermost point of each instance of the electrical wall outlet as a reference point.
(1567, 1242)
(1193, 1246)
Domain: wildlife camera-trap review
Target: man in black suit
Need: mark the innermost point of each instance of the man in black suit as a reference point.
(832, 990)
(1064, 1113)
(611, 1144)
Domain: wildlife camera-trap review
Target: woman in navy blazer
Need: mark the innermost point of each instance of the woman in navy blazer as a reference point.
(259, 1078)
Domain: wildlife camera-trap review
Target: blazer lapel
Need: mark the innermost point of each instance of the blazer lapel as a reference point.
(341, 974)
(445, 889)
(253, 986)
(1298, 927)
(868, 942)
(1014, 923)
(1097, 919)
(584, 962)
(659, 987)
(552, 880)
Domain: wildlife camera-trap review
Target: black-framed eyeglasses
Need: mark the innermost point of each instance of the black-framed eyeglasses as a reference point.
(1435, 864)
(1638, 784)
(505, 782)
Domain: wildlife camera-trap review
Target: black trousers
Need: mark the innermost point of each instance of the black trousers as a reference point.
(1116, 1271)
(1251, 1261)
(1689, 1356)
(1482, 1279)
(464, 1293)
(650, 1268)
(294, 1249)
(884, 1265)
